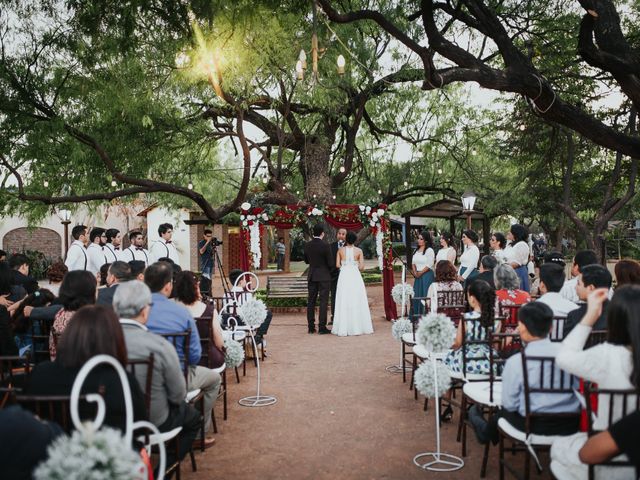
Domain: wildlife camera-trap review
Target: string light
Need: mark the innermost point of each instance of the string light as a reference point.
(406, 184)
(334, 197)
(439, 171)
(341, 63)
(45, 183)
(342, 169)
(114, 183)
(265, 180)
(474, 152)
(523, 127)
(190, 186)
(379, 192)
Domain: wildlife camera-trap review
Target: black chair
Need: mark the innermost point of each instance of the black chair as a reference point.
(557, 328)
(183, 338)
(206, 340)
(40, 331)
(55, 408)
(620, 404)
(596, 337)
(14, 373)
(550, 381)
(487, 394)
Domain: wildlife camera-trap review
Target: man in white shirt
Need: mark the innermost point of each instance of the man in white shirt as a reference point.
(551, 280)
(112, 247)
(582, 259)
(77, 258)
(164, 248)
(95, 251)
(136, 250)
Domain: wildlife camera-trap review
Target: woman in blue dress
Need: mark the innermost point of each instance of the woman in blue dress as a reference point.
(422, 268)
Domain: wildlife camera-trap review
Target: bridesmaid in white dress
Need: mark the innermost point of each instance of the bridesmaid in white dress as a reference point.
(352, 315)
(447, 248)
(470, 257)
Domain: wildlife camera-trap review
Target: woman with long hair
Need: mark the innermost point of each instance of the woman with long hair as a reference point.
(78, 289)
(470, 257)
(94, 330)
(447, 249)
(518, 253)
(187, 293)
(422, 268)
(612, 365)
(477, 323)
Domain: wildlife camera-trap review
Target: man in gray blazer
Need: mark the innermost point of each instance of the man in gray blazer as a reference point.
(168, 410)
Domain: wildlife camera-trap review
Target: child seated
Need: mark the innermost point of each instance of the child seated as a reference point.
(534, 324)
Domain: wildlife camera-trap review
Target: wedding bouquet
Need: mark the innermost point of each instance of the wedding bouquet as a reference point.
(400, 327)
(253, 312)
(436, 332)
(234, 353)
(91, 455)
(398, 289)
(425, 379)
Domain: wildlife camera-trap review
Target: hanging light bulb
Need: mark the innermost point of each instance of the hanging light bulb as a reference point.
(45, 183)
(406, 184)
(523, 127)
(379, 192)
(299, 70)
(341, 63)
(334, 197)
(297, 192)
(284, 187)
(114, 183)
(474, 152)
(315, 196)
(265, 180)
(190, 186)
(303, 59)
(342, 169)
(439, 171)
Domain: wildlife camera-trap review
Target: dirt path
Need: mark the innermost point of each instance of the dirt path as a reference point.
(339, 413)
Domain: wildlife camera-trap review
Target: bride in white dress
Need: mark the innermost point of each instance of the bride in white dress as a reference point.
(352, 315)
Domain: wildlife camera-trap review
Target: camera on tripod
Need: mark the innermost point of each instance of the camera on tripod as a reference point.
(215, 242)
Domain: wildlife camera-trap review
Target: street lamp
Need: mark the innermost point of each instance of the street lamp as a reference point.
(468, 202)
(65, 218)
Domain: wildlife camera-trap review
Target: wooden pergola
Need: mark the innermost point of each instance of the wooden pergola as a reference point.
(445, 208)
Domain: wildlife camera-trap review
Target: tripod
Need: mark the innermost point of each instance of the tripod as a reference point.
(214, 257)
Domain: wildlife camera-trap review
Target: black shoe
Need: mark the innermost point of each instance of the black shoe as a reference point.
(323, 331)
(479, 424)
(447, 414)
(312, 329)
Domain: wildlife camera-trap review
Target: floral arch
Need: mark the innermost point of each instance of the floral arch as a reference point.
(352, 217)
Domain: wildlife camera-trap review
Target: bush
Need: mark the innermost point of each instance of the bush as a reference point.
(368, 246)
(399, 248)
(371, 278)
(38, 263)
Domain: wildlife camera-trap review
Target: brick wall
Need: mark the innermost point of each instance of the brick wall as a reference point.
(41, 239)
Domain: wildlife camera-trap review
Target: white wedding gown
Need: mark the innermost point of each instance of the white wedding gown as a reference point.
(352, 315)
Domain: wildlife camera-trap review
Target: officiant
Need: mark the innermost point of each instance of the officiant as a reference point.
(341, 236)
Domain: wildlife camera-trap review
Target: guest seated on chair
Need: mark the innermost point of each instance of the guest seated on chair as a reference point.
(187, 293)
(137, 269)
(534, 324)
(132, 303)
(93, 330)
(167, 316)
(591, 278)
(551, 281)
(21, 323)
(117, 273)
(445, 282)
(19, 263)
(627, 271)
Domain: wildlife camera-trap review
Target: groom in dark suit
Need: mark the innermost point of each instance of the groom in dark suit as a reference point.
(341, 235)
(317, 253)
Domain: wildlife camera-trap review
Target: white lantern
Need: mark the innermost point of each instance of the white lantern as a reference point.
(64, 215)
(468, 200)
(341, 63)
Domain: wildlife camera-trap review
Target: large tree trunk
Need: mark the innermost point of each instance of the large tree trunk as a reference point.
(316, 159)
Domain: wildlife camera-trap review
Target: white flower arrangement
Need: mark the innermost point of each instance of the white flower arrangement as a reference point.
(436, 332)
(397, 291)
(379, 251)
(361, 207)
(254, 231)
(234, 353)
(400, 327)
(253, 312)
(380, 212)
(245, 206)
(425, 379)
(91, 455)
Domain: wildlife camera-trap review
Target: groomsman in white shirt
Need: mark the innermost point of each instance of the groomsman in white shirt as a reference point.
(112, 247)
(164, 248)
(136, 250)
(95, 251)
(77, 258)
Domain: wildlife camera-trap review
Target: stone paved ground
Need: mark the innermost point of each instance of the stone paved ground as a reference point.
(339, 414)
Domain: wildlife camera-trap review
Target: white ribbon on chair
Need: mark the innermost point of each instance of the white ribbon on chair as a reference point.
(130, 425)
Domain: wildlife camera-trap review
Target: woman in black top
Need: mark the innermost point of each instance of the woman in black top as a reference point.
(94, 330)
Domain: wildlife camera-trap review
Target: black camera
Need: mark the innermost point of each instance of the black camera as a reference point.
(215, 242)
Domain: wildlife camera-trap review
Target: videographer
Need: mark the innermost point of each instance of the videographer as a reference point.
(205, 249)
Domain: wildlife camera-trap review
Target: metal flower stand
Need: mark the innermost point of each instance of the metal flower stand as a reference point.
(257, 400)
(438, 461)
(401, 366)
